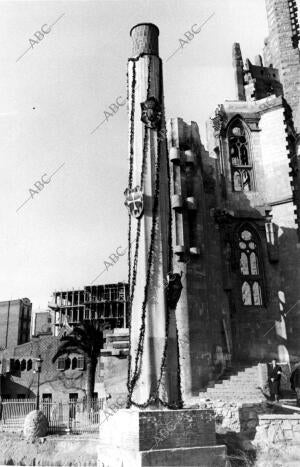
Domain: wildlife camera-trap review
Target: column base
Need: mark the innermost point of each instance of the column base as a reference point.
(133, 438)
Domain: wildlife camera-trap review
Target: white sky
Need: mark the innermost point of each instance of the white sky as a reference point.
(56, 94)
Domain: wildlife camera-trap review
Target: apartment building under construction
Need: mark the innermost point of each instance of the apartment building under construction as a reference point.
(108, 302)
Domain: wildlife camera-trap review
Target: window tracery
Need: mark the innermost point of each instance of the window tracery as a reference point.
(239, 153)
(250, 268)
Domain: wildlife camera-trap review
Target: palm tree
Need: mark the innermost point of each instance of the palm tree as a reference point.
(86, 339)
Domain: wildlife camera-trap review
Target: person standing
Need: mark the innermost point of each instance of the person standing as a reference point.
(274, 380)
(295, 382)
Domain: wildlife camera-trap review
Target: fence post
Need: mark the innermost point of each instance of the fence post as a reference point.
(69, 424)
(1, 406)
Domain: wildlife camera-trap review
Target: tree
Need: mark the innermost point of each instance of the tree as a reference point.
(86, 339)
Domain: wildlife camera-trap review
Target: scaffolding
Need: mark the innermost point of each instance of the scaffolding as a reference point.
(107, 303)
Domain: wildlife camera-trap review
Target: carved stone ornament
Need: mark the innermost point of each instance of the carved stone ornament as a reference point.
(174, 288)
(219, 120)
(151, 113)
(253, 121)
(134, 201)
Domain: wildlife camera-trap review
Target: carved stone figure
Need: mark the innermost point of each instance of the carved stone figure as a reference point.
(151, 113)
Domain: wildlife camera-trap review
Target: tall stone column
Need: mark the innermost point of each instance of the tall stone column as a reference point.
(149, 231)
(132, 437)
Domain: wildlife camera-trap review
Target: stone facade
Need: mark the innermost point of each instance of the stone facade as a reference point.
(197, 256)
(281, 50)
(239, 307)
(237, 416)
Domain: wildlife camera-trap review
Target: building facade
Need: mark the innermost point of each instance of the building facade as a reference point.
(107, 302)
(236, 215)
(66, 378)
(15, 322)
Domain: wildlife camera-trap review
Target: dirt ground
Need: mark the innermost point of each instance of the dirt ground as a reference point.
(50, 451)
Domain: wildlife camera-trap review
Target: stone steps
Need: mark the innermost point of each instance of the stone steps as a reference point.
(234, 387)
(229, 391)
(237, 384)
(240, 390)
(240, 382)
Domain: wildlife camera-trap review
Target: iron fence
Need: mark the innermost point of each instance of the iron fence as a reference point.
(73, 416)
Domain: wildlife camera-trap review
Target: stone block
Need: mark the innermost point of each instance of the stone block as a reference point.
(164, 429)
(205, 456)
(133, 438)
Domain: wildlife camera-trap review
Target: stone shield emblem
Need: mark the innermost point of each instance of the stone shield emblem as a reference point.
(151, 113)
(134, 201)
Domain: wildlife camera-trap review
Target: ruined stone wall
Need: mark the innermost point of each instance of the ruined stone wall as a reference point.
(278, 192)
(279, 429)
(236, 416)
(259, 332)
(197, 254)
(216, 273)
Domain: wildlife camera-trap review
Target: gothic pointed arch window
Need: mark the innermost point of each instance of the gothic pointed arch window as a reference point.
(239, 155)
(250, 267)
